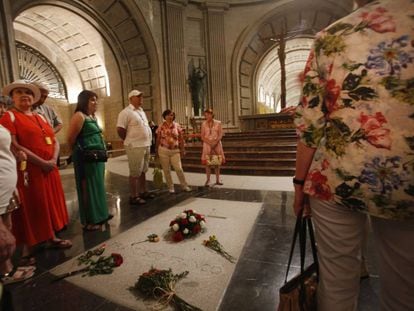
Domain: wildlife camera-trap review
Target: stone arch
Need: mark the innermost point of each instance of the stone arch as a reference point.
(133, 52)
(304, 19)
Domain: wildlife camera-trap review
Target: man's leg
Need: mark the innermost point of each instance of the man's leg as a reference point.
(133, 186)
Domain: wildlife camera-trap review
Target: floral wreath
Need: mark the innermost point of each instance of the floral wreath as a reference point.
(186, 225)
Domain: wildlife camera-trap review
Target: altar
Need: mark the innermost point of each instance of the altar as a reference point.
(266, 122)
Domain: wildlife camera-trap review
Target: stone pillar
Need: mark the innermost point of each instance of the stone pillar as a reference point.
(218, 97)
(8, 56)
(175, 63)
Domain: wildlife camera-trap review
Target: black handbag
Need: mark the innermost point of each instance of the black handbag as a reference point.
(95, 155)
(299, 293)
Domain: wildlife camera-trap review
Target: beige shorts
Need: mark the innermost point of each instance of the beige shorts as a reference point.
(138, 160)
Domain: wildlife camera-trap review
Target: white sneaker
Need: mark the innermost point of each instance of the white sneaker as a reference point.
(187, 189)
(171, 190)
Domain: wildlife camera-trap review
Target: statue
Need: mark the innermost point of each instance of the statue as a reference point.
(196, 82)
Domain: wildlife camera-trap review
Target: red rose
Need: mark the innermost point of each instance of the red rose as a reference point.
(178, 236)
(172, 223)
(189, 211)
(332, 91)
(378, 21)
(118, 260)
(196, 229)
(184, 222)
(318, 187)
(375, 134)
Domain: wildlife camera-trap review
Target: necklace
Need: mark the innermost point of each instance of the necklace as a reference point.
(30, 116)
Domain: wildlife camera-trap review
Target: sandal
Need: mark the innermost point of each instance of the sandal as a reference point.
(59, 243)
(219, 183)
(19, 274)
(147, 195)
(137, 201)
(91, 227)
(27, 260)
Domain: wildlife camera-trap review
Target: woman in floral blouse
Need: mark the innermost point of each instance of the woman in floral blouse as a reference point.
(170, 149)
(355, 155)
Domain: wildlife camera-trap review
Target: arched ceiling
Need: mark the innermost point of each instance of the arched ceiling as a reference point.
(72, 44)
(301, 18)
(268, 77)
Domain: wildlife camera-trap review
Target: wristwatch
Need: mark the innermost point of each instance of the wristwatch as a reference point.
(298, 181)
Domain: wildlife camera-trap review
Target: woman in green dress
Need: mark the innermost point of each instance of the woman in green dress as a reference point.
(85, 134)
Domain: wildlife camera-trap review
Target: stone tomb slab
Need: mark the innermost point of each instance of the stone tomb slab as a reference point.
(209, 273)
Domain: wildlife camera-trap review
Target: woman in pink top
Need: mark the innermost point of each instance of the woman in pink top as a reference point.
(211, 134)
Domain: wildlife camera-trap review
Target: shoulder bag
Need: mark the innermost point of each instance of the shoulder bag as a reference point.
(299, 293)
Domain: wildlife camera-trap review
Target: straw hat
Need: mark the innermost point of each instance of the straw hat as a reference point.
(22, 84)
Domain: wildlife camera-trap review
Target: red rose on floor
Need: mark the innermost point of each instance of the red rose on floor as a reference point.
(118, 260)
(172, 223)
(178, 236)
(197, 228)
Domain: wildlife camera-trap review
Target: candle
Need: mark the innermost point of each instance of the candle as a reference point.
(186, 112)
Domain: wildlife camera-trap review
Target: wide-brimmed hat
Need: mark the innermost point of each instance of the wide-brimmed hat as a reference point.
(134, 93)
(41, 86)
(22, 84)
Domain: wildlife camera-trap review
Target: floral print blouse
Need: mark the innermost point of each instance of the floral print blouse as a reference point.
(170, 135)
(357, 111)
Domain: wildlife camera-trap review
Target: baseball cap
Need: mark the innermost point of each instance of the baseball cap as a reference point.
(134, 93)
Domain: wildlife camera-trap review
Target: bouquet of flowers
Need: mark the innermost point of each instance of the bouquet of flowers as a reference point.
(159, 284)
(187, 224)
(215, 245)
(92, 266)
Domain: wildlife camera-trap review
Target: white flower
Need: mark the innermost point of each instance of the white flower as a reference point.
(202, 224)
(175, 227)
(183, 215)
(186, 231)
(192, 219)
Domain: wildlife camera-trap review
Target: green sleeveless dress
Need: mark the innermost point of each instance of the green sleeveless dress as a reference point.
(95, 209)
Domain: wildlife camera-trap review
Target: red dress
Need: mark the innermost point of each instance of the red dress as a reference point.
(43, 209)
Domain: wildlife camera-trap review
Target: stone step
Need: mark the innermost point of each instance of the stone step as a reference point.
(247, 146)
(249, 154)
(267, 162)
(244, 170)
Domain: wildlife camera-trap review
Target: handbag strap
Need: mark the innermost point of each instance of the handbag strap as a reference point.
(292, 247)
(301, 227)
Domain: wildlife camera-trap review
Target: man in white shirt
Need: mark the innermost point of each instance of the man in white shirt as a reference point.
(45, 110)
(133, 128)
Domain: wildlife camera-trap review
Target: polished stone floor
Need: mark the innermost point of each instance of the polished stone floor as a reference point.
(254, 285)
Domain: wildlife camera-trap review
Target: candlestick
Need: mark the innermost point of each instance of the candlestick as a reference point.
(186, 112)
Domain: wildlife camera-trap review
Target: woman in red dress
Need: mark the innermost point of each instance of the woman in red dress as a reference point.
(43, 210)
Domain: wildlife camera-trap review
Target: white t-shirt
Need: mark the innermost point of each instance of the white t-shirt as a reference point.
(138, 131)
(8, 172)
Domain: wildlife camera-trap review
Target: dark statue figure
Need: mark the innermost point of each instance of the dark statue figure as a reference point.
(196, 77)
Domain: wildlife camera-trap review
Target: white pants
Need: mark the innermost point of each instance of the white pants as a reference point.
(339, 235)
(172, 158)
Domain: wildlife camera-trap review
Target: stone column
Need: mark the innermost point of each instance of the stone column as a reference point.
(8, 56)
(218, 97)
(174, 51)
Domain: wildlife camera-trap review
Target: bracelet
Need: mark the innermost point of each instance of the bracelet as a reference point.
(298, 181)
